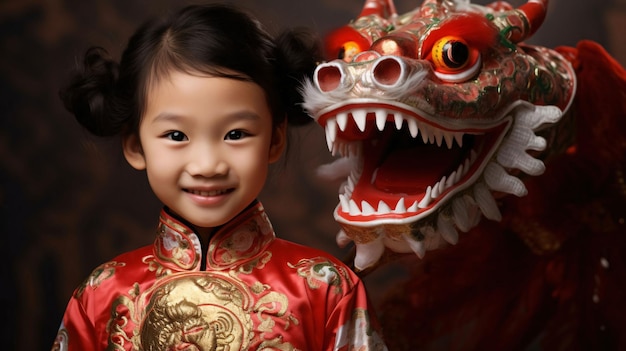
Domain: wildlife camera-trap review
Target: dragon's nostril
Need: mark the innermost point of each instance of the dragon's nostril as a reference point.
(328, 78)
(387, 71)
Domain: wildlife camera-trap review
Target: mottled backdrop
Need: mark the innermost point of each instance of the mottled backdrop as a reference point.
(69, 202)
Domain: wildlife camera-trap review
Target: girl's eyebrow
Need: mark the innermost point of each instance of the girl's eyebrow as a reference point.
(237, 116)
(245, 115)
(166, 116)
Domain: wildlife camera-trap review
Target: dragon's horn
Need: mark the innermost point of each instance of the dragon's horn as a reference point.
(522, 22)
(535, 12)
(383, 8)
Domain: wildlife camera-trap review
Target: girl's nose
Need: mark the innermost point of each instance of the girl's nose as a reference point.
(206, 162)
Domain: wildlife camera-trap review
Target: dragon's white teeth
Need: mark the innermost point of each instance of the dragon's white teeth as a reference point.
(352, 150)
(400, 208)
(429, 134)
(460, 171)
(486, 202)
(432, 192)
(360, 118)
(367, 209)
(459, 138)
(435, 192)
(331, 130)
(345, 149)
(431, 137)
(350, 206)
(373, 179)
(345, 204)
(383, 208)
(447, 230)
(449, 138)
(416, 246)
(442, 185)
(381, 119)
(413, 128)
(335, 148)
(397, 118)
(350, 185)
(473, 156)
(330, 145)
(426, 200)
(348, 194)
(354, 176)
(354, 208)
(452, 179)
(342, 120)
(425, 135)
(438, 136)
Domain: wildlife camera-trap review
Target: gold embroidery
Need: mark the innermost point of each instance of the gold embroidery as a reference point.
(258, 288)
(178, 245)
(98, 275)
(276, 344)
(155, 266)
(243, 242)
(258, 263)
(206, 311)
(272, 304)
(320, 270)
(122, 312)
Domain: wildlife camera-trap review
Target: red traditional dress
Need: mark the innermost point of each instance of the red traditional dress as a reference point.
(252, 291)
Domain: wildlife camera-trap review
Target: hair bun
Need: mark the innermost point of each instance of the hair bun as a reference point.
(91, 90)
(298, 51)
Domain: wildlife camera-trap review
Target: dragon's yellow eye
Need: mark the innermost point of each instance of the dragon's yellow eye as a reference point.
(450, 54)
(348, 51)
(344, 43)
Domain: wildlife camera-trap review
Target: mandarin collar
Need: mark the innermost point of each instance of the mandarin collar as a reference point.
(241, 240)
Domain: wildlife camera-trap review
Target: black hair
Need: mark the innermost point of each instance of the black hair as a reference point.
(108, 98)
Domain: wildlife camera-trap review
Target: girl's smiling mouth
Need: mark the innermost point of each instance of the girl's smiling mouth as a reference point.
(209, 193)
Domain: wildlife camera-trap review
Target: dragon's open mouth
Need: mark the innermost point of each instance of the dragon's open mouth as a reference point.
(411, 166)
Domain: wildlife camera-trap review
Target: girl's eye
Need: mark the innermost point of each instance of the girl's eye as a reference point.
(235, 135)
(176, 136)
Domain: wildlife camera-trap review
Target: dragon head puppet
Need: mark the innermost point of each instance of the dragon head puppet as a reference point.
(433, 116)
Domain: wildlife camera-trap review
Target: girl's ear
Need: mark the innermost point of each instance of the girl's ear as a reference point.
(278, 143)
(133, 152)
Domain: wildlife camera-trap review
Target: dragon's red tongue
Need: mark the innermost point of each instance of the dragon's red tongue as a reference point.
(412, 170)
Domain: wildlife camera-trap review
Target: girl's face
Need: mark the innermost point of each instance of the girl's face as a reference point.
(206, 143)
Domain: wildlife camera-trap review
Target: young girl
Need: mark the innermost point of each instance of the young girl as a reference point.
(201, 102)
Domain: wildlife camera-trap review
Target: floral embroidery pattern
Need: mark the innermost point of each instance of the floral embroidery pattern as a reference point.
(99, 275)
(176, 246)
(320, 270)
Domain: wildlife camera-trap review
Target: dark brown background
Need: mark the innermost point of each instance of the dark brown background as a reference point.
(69, 202)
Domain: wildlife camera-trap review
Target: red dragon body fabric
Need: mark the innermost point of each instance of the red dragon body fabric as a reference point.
(492, 169)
